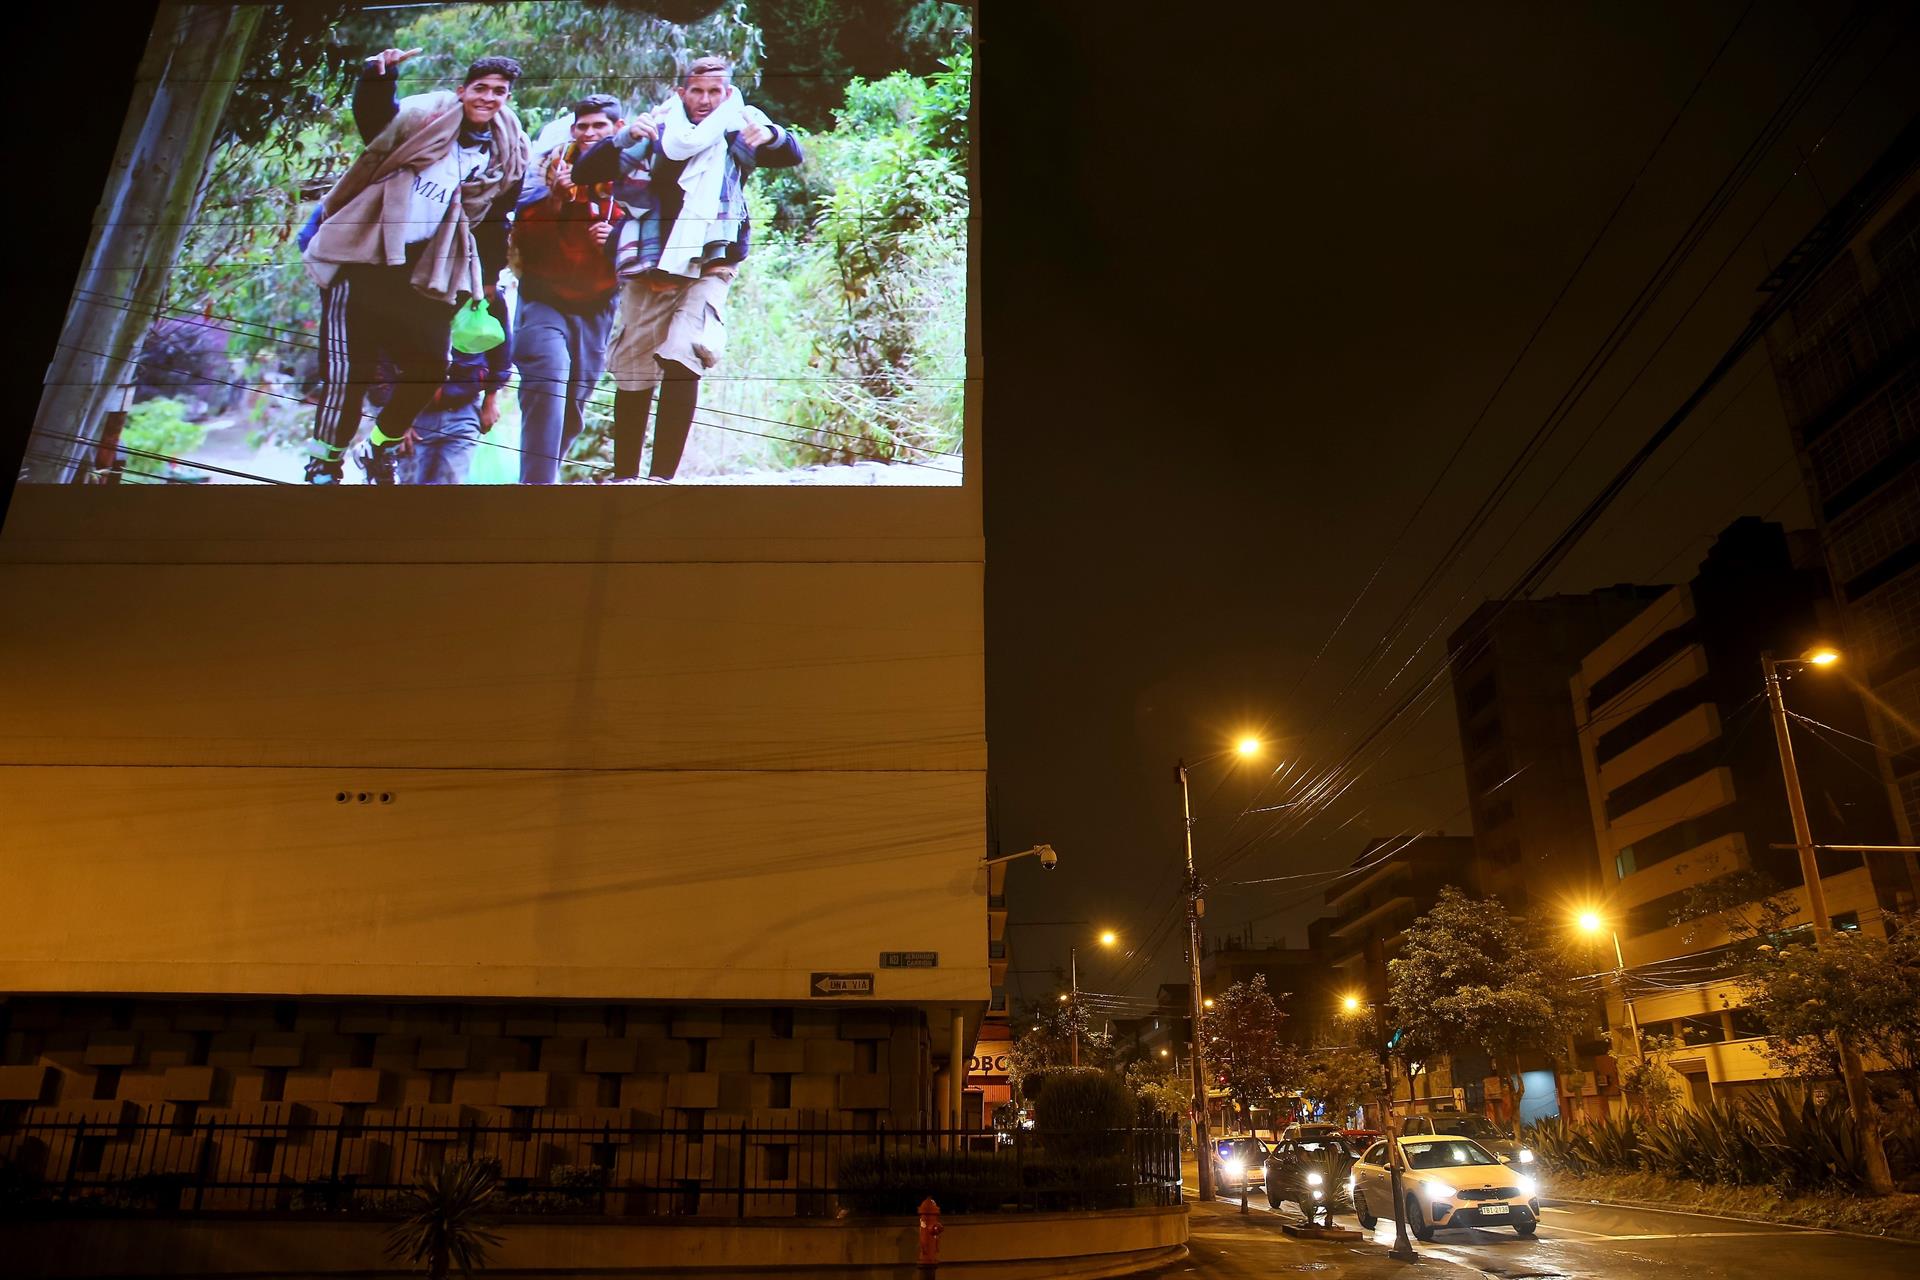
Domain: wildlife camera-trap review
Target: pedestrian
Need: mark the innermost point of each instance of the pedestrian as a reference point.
(682, 169)
(416, 224)
(440, 445)
(562, 252)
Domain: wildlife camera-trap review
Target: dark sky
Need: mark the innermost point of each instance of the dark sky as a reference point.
(1251, 273)
(1250, 280)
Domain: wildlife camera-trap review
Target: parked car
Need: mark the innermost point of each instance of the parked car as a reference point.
(1464, 1125)
(1312, 1172)
(1447, 1182)
(1238, 1162)
(1310, 1129)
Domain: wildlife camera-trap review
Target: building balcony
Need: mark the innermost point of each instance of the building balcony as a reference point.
(1357, 920)
(1386, 871)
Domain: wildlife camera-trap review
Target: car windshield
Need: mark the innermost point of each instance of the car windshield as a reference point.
(1324, 1143)
(1239, 1149)
(1472, 1127)
(1445, 1153)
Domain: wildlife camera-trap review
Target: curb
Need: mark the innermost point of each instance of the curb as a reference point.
(1727, 1216)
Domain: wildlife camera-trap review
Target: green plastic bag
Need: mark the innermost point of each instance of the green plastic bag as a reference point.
(475, 330)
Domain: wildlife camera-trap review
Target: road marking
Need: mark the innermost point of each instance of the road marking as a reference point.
(1697, 1235)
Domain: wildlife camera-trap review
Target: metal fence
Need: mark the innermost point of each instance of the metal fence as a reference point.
(558, 1164)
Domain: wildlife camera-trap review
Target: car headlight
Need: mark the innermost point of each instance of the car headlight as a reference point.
(1440, 1191)
(1528, 1187)
(1526, 1156)
(1314, 1179)
(1233, 1168)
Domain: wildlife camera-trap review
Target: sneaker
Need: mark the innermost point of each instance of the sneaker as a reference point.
(381, 462)
(324, 471)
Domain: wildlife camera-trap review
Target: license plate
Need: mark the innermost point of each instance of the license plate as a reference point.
(1493, 1211)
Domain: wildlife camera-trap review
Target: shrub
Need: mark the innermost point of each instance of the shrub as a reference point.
(897, 1181)
(159, 426)
(1083, 1113)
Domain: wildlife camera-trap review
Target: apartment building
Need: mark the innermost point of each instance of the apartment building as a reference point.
(1685, 792)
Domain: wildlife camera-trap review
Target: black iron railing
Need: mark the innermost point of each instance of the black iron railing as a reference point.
(161, 1159)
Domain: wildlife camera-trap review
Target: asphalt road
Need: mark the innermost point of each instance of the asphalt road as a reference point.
(1575, 1241)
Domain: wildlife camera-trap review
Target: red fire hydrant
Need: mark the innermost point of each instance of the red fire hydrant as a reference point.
(929, 1238)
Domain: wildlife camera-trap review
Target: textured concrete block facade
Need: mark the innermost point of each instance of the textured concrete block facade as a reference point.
(695, 1077)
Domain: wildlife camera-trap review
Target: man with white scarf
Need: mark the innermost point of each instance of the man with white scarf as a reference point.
(681, 168)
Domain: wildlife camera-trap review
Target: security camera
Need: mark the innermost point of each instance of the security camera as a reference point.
(1048, 858)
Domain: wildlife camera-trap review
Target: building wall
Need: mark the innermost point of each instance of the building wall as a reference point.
(685, 744)
(1525, 785)
(1685, 790)
(1848, 370)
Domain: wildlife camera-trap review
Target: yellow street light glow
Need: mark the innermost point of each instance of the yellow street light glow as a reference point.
(1823, 656)
(1248, 746)
(1590, 922)
(1208, 1002)
(1063, 997)
(1350, 1003)
(1163, 1053)
(1108, 937)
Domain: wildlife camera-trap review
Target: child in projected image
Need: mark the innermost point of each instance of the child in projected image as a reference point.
(440, 446)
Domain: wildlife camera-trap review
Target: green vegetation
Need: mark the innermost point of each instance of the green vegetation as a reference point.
(160, 427)
(1781, 1137)
(1244, 1048)
(443, 1228)
(1471, 976)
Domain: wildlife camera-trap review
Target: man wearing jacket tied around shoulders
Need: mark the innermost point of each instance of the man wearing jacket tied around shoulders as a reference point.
(417, 224)
(682, 169)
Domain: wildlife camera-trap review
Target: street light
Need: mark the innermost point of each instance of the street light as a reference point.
(1107, 938)
(1372, 1025)
(1591, 922)
(1859, 1099)
(1247, 747)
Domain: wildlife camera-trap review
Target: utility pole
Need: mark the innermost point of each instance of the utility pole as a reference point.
(1859, 1098)
(1202, 1148)
(1073, 1006)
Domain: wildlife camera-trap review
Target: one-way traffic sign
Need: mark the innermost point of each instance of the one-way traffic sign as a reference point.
(841, 984)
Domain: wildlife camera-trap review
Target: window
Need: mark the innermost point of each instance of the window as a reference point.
(1376, 1154)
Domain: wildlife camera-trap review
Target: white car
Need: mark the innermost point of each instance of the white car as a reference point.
(1447, 1181)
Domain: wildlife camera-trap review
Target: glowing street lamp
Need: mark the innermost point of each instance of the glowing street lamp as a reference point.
(1107, 939)
(1593, 924)
(1859, 1098)
(1350, 1003)
(1247, 747)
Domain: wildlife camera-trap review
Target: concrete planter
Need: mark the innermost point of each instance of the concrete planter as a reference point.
(1000, 1246)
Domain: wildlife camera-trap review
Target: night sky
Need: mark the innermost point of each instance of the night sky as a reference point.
(1251, 276)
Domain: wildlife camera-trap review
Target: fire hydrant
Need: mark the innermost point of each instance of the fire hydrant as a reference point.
(929, 1238)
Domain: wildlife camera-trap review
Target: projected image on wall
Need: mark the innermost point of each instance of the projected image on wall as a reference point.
(528, 243)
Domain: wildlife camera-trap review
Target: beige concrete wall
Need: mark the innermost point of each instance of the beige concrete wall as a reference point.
(640, 744)
(995, 1245)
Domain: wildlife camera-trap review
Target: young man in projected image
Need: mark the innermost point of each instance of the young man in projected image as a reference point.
(563, 241)
(682, 168)
(416, 224)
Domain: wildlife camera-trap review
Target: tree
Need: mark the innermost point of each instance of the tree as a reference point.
(1471, 976)
(1162, 1090)
(443, 1226)
(1862, 988)
(187, 77)
(1342, 1080)
(1042, 1040)
(1244, 1050)
(1659, 1087)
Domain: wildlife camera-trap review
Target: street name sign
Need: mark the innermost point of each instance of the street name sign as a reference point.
(841, 984)
(909, 959)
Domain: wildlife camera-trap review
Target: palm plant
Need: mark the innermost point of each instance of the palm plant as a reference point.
(443, 1226)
